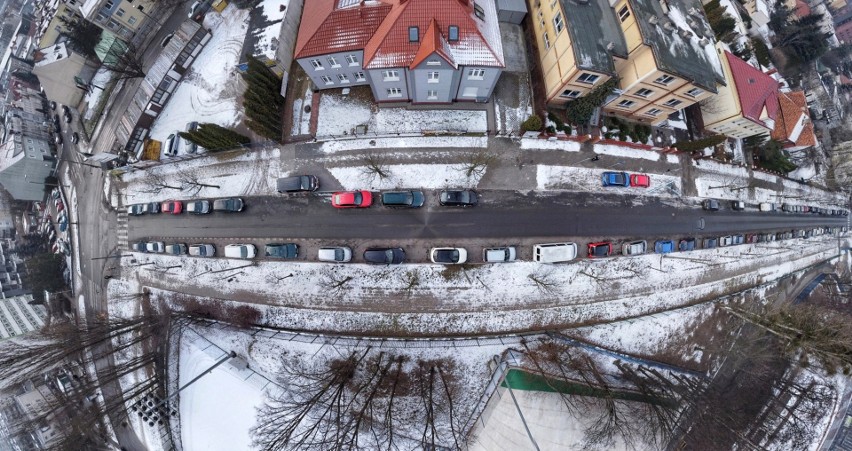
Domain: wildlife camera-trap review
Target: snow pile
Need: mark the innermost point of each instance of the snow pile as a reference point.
(209, 91)
(302, 119)
(407, 142)
(426, 176)
(627, 152)
(99, 82)
(546, 144)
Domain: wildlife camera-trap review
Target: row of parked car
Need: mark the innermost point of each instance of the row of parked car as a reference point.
(199, 207)
(738, 205)
(623, 179)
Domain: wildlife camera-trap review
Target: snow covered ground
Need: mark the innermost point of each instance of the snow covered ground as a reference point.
(209, 91)
(267, 37)
(589, 179)
(102, 77)
(407, 176)
(405, 142)
(302, 119)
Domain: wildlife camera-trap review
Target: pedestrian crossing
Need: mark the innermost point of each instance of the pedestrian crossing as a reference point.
(121, 231)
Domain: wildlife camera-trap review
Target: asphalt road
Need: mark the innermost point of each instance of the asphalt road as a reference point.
(500, 215)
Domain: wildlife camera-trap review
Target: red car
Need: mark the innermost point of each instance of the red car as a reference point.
(352, 199)
(600, 250)
(172, 206)
(640, 180)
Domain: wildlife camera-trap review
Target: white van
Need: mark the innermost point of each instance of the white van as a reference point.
(240, 251)
(554, 252)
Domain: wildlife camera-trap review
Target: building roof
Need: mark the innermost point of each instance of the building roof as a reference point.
(802, 9)
(682, 41)
(479, 42)
(793, 127)
(330, 26)
(756, 91)
(594, 29)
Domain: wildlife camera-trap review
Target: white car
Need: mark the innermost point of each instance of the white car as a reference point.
(726, 240)
(499, 254)
(155, 246)
(240, 251)
(448, 255)
(634, 248)
(202, 250)
(338, 254)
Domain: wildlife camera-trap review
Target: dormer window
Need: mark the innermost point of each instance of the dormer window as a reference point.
(413, 34)
(478, 11)
(454, 33)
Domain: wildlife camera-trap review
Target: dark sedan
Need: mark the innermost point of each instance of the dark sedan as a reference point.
(458, 198)
(384, 255)
(284, 250)
(232, 204)
(403, 199)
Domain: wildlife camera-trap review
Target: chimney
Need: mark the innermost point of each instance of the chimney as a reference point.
(703, 42)
(653, 20)
(669, 26)
(684, 33)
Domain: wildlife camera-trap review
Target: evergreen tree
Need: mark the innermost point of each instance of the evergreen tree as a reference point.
(214, 137)
(83, 36)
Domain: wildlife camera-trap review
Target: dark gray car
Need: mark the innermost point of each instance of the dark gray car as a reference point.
(458, 198)
(232, 204)
(282, 250)
(384, 255)
(298, 183)
(403, 199)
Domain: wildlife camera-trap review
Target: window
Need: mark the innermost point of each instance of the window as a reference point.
(433, 63)
(317, 64)
(433, 77)
(352, 60)
(120, 12)
(432, 94)
(394, 92)
(112, 24)
(359, 76)
(569, 94)
(332, 61)
(478, 11)
(623, 13)
(343, 78)
(672, 103)
(546, 40)
(625, 104)
(327, 80)
(644, 92)
(100, 17)
(390, 75)
(653, 111)
(558, 23)
(588, 78)
(453, 33)
(131, 20)
(476, 74)
(109, 4)
(664, 79)
(413, 34)
(694, 92)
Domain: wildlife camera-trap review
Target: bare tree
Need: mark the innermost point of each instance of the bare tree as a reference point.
(477, 163)
(375, 166)
(155, 184)
(190, 182)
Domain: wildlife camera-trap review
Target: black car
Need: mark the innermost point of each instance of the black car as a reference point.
(710, 243)
(52, 105)
(711, 204)
(403, 199)
(75, 138)
(283, 250)
(686, 244)
(458, 198)
(68, 118)
(232, 204)
(384, 255)
(298, 183)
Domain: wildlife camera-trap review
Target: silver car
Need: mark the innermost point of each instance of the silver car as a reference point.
(634, 247)
(499, 254)
(202, 250)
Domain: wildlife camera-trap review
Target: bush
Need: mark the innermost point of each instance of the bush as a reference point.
(532, 124)
(262, 100)
(698, 144)
(214, 137)
(761, 52)
(550, 129)
(579, 111)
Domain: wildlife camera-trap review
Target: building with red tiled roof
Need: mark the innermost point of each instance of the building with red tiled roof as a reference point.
(422, 51)
(747, 106)
(793, 127)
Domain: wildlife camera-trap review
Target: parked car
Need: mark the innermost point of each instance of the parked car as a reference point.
(384, 255)
(140, 246)
(166, 40)
(231, 204)
(176, 249)
(610, 178)
(600, 250)
(198, 207)
(403, 199)
(640, 180)
(448, 255)
(338, 254)
(739, 239)
(686, 244)
(751, 238)
(172, 206)
(554, 252)
(75, 138)
(499, 254)
(202, 250)
(710, 204)
(151, 207)
(52, 105)
(766, 206)
(710, 243)
(664, 246)
(193, 9)
(57, 139)
(155, 246)
(352, 199)
(68, 118)
(171, 144)
(298, 183)
(634, 247)
(458, 198)
(135, 209)
(240, 251)
(281, 250)
(737, 205)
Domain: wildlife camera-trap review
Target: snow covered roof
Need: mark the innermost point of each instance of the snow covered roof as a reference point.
(594, 29)
(51, 54)
(682, 41)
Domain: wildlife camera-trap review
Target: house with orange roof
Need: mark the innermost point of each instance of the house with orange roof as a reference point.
(747, 106)
(419, 51)
(793, 126)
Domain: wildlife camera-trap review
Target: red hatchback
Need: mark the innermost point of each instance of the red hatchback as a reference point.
(352, 199)
(600, 250)
(172, 206)
(640, 180)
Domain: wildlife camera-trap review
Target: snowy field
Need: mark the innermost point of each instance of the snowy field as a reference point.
(267, 37)
(209, 91)
(546, 144)
(589, 179)
(407, 176)
(406, 142)
(302, 119)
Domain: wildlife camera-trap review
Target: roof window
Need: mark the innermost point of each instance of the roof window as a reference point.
(478, 11)
(454, 33)
(413, 34)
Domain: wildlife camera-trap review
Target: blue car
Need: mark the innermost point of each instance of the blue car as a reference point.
(664, 246)
(615, 179)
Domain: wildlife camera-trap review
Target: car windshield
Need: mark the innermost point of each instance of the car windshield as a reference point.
(600, 250)
(338, 254)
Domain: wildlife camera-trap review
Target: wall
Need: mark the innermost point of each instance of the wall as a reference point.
(333, 72)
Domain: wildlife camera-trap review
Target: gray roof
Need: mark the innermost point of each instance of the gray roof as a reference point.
(593, 27)
(681, 56)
